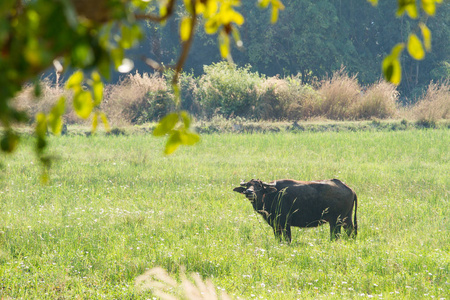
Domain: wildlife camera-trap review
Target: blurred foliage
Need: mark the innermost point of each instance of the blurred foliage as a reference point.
(93, 36)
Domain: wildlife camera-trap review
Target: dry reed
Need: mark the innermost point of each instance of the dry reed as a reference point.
(434, 103)
(166, 287)
(340, 94)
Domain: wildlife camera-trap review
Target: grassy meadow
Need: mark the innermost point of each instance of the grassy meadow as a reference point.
(116, 207)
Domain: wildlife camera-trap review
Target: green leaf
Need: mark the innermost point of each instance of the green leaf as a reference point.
(173, 142)
(82, 55)
(94, 122)
(185, 28)
(97, 88)
(55, 124)
(189, 138)
(426, 34)
(104, 66)
(55, 115)
(186, 119)
(429, 6)
(276, 7)
(236, 36)
(117, 55)
(224, 44)
(83, 104)
(105, 122)
(126, 39)
(409, 6)
(397, 50)
(41, 125)
(166, 124)
(392, 70)
(129, 36)
(415, 48)
(45, 178)
(373, 2)
(263, 3)
(176, 93)
(211, 26)
(274, 15)
(74, 81)
(391, 66)
(9, 141)
(33, 52)
(41, 143)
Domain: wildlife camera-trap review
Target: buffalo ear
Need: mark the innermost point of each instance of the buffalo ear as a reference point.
(271, 189)
(239, 189)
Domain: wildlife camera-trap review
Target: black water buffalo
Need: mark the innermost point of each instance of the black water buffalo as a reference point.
(285, 203)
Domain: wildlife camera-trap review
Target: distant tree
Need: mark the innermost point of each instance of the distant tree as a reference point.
(306, 40)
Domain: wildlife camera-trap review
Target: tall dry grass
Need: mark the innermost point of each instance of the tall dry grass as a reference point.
(167, 287)
(340, 94)
(27, 101)
(434, 103)
(286, 98)
(380, 100)
(138, 98)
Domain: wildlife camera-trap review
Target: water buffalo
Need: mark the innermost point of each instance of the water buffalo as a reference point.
(285, 203)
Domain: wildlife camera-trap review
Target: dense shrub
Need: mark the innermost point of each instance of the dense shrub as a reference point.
(379, 101)
(273, 97)
(189, 94)
(227, 90)
(138, 99)
(286, 99)
(306, 104)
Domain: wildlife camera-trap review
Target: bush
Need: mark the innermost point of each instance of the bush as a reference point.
(273, 98)
(378, 101)
(286, 99)
(189, 90)
(227, 90)
(339, 95)
(138, 99)
(434, 104)
(50, 93)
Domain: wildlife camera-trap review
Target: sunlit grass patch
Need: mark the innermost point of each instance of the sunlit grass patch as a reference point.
(115, 208)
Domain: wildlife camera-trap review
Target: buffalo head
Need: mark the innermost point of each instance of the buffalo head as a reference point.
(255, 190)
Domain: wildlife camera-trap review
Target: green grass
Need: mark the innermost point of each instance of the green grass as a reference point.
(116, 207)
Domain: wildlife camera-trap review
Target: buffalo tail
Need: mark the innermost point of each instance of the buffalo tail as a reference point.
(355, 221)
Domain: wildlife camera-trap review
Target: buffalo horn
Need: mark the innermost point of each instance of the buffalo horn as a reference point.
(270, 184)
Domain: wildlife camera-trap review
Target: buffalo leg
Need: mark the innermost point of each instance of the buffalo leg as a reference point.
(348, 225)
(278, 231)
(281, 232)
(287, 234)
(335, 229)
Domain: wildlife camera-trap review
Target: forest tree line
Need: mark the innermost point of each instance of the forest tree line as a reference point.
(313, 39)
